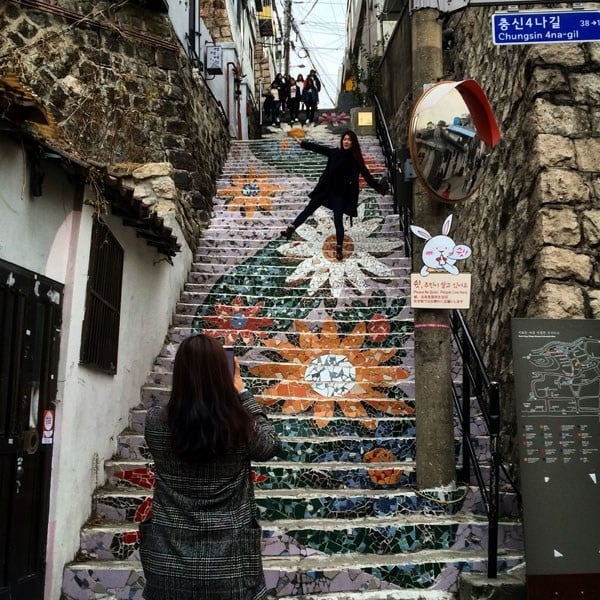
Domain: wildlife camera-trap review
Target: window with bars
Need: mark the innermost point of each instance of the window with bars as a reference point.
(100, 337)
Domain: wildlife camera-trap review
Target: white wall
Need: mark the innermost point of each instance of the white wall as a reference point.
(30, 227)
(47, 236)
(94, 407)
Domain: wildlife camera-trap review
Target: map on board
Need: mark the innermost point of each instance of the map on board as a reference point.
(556, 365)
(565, 378)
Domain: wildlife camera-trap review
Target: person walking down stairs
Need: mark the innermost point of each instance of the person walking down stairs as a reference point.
(337, 188)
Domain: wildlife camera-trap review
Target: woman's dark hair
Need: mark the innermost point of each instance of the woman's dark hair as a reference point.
(205, 415)
(356, 151)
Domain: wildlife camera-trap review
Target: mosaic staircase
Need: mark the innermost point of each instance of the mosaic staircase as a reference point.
(327, 347)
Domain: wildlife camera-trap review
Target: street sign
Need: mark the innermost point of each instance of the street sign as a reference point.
(547, 27)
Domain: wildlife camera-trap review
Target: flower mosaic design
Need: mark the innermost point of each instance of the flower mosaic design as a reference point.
(379, 476)
(251, 193)
(237, 321)
(333, 119)
(317, 254)
(324, 370)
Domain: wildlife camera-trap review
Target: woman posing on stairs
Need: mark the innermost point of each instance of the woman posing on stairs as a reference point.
(203, 541)
(337, 188)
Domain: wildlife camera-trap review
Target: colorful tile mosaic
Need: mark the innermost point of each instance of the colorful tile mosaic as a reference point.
(327, 347)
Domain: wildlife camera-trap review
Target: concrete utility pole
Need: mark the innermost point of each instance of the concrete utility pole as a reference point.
(433, 395)
(287, 24)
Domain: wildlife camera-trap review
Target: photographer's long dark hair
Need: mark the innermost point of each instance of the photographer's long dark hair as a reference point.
(356, 151)
(205, 415)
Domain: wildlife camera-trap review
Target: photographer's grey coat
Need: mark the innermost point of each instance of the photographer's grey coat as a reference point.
(203, 541)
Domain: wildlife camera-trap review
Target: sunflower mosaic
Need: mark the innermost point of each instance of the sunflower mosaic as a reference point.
(236, 321)
(324, 371)
(316, 252)
(252, 193)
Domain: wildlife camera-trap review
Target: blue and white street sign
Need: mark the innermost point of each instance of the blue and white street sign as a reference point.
(547, 27)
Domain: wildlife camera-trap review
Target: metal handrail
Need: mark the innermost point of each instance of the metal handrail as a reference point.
(475, 380)
(401, 186)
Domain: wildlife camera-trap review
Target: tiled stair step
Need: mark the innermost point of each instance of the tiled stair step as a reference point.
(231, 251)
(333, 475)
(363, 503)
(283, 207)
(300, 171)
(312, 575)
(308, 425)
(189, 316)
(397, 343)
(320, 448)
(250, 362)
(225, 241)
(294, 294)
(385, 535)
(289, 426)
(391, 363)
(259, 235)
(204, 296)
(265, 265)
(275, 262)
(124, 502)
(283, 277)
(296, 449)
(374, 406)
(351, 572)
(186, 315)
(383, 595)
(242, 229)
(302, 538)
(294, 476)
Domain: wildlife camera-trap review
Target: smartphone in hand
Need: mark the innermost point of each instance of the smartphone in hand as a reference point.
(229, 353)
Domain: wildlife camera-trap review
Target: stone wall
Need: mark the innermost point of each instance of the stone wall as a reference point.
(534, 225)
(122, 91)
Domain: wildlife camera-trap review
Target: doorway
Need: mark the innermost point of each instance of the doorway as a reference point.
(30, 317)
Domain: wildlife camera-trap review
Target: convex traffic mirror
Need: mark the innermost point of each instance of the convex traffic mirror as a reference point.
(452, 132)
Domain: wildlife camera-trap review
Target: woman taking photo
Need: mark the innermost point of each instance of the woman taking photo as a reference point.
(337, 188)
(203, 541)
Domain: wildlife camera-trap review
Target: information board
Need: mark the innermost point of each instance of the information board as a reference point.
(557, 385)
(547, 27)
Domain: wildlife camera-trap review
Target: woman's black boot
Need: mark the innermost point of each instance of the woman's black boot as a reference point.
(339, 252)
(287, 234)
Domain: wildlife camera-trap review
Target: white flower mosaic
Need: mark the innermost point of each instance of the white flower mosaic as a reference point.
(318, 260)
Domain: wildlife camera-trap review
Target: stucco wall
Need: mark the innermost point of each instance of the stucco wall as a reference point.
(535, 223)
(49, 236)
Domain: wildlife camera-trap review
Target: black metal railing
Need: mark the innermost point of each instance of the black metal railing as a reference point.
(401, 184)
(478, 392)
(477, 388)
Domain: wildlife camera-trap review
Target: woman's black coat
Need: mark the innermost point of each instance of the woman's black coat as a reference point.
(340, 177)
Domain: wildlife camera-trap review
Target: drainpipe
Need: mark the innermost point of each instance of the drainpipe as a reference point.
(436, 465)
(229, 79)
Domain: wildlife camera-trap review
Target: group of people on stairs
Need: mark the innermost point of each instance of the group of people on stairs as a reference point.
(295, 96)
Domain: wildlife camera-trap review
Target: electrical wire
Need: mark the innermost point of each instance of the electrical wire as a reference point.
(318, 38)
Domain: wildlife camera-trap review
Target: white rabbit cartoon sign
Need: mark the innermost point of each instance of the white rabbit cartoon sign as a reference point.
(440, 253)
(439, 283)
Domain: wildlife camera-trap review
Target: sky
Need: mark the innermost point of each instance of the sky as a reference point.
(322, 26)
